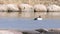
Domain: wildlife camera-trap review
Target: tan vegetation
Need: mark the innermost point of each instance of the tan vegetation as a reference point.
(32, 2)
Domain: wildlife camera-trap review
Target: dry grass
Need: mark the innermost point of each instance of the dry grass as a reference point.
(32, 2)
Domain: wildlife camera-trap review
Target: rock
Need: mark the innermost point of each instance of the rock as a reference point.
(40, 7)
(26, 10)
(53, 8)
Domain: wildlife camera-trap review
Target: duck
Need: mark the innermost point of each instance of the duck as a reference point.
(38, 18)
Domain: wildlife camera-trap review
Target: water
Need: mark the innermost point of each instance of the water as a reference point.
(24, 24)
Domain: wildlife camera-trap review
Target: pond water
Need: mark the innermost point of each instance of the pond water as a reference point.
(28, 24)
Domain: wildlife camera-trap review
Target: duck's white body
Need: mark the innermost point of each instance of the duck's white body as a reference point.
(39, 18)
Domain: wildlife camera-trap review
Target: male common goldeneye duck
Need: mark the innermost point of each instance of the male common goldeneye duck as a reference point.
(39, 18)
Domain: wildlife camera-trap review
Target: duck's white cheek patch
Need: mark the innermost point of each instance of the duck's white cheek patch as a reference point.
(39, 18)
